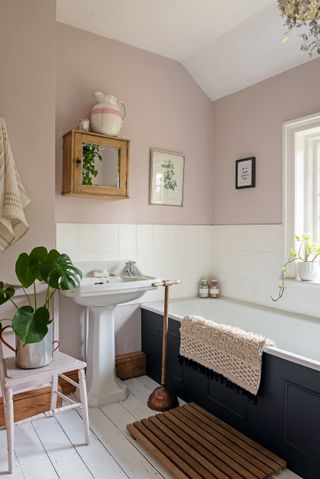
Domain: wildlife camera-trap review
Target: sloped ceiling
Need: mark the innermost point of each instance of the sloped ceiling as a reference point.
(226, 45)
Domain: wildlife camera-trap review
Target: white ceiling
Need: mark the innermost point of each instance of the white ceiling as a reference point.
(226, 45)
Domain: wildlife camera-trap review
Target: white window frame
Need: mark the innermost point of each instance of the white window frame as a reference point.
(289, 130)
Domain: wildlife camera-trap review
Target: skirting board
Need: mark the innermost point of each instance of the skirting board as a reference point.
(129, 365)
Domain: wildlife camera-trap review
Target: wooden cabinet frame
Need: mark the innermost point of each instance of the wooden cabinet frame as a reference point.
(72, 165)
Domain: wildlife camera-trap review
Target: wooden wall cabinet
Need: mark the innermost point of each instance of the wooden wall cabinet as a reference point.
(95, 166)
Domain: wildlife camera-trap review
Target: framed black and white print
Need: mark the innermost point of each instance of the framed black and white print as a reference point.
(246, 173)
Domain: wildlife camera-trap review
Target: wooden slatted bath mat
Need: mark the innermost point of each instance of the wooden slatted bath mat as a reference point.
(193, 444)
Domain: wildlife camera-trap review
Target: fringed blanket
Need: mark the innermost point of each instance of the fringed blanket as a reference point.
(230, 351)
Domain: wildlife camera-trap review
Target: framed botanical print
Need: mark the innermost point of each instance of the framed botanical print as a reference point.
(246, 173)
(166, 178)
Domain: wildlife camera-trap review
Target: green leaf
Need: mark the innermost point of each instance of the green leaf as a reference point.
(23, 272)
(36, 259)
(5, 293)
(60, 273)
(29, 325)
(57, 271)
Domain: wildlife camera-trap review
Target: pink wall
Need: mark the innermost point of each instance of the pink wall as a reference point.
(250, 123)
(166, 109)
(27, 103)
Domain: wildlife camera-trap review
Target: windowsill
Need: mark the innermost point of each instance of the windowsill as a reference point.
(316, 282)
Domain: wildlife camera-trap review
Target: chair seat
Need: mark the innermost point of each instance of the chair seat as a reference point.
(60, 364)
(15, 380)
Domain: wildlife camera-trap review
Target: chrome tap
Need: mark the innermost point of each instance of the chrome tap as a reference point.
(130, 268)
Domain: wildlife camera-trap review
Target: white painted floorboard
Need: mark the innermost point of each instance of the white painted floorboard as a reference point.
(95, 455)
(63, 456)
(32, 457)
(120, 418)
(53, 448)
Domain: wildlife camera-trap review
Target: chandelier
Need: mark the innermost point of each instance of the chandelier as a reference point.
(305, 14)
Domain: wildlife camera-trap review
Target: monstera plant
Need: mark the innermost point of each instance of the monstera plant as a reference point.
(55, 270)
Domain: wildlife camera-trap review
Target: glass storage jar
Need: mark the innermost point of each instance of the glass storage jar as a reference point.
(214, 291)
(203, 288)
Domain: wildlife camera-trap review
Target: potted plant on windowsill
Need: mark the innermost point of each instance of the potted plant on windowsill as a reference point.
(32, 322)
(306, 255)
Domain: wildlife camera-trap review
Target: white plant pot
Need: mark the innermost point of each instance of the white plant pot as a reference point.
(308, 270)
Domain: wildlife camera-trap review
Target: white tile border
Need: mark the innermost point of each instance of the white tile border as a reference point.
(246, 259)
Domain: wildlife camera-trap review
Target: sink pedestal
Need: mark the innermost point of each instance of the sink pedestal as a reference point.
(101, 296)
(102, 384)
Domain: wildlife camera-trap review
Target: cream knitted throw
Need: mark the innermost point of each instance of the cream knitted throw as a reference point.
(13, 196)
(232, 352)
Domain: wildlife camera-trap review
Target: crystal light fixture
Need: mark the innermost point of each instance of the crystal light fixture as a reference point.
(306, 14)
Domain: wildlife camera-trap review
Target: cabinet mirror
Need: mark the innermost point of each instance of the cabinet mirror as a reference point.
(95, 165)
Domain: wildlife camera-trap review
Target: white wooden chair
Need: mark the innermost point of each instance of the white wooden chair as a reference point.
(14, 380)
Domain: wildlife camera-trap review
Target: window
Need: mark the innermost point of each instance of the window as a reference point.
(301, 176)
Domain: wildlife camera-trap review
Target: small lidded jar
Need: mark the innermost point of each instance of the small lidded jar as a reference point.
(214, 291)
(203, 288)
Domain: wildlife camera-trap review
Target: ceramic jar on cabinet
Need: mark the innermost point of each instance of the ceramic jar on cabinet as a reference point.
(108, 115)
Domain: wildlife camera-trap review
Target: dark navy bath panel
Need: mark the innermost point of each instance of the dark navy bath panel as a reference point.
(286, 416)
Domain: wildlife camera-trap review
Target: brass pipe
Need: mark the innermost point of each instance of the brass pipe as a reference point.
(166, 282)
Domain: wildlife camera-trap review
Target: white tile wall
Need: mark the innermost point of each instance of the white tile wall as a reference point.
(245, 256)
(245, 259)
(109, 238)
(127, 238)
(170, 251)
(145, 238)
(182, 252)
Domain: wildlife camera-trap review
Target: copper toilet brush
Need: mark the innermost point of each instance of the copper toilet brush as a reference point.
(161, 399)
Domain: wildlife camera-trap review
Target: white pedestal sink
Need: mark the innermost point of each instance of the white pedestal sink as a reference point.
(101, 296)
(102, 384)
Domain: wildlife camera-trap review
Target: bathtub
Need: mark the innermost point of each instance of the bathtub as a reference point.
(297, 337)
(286, 415)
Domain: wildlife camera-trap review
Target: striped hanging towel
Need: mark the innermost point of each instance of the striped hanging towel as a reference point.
(13, 196)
